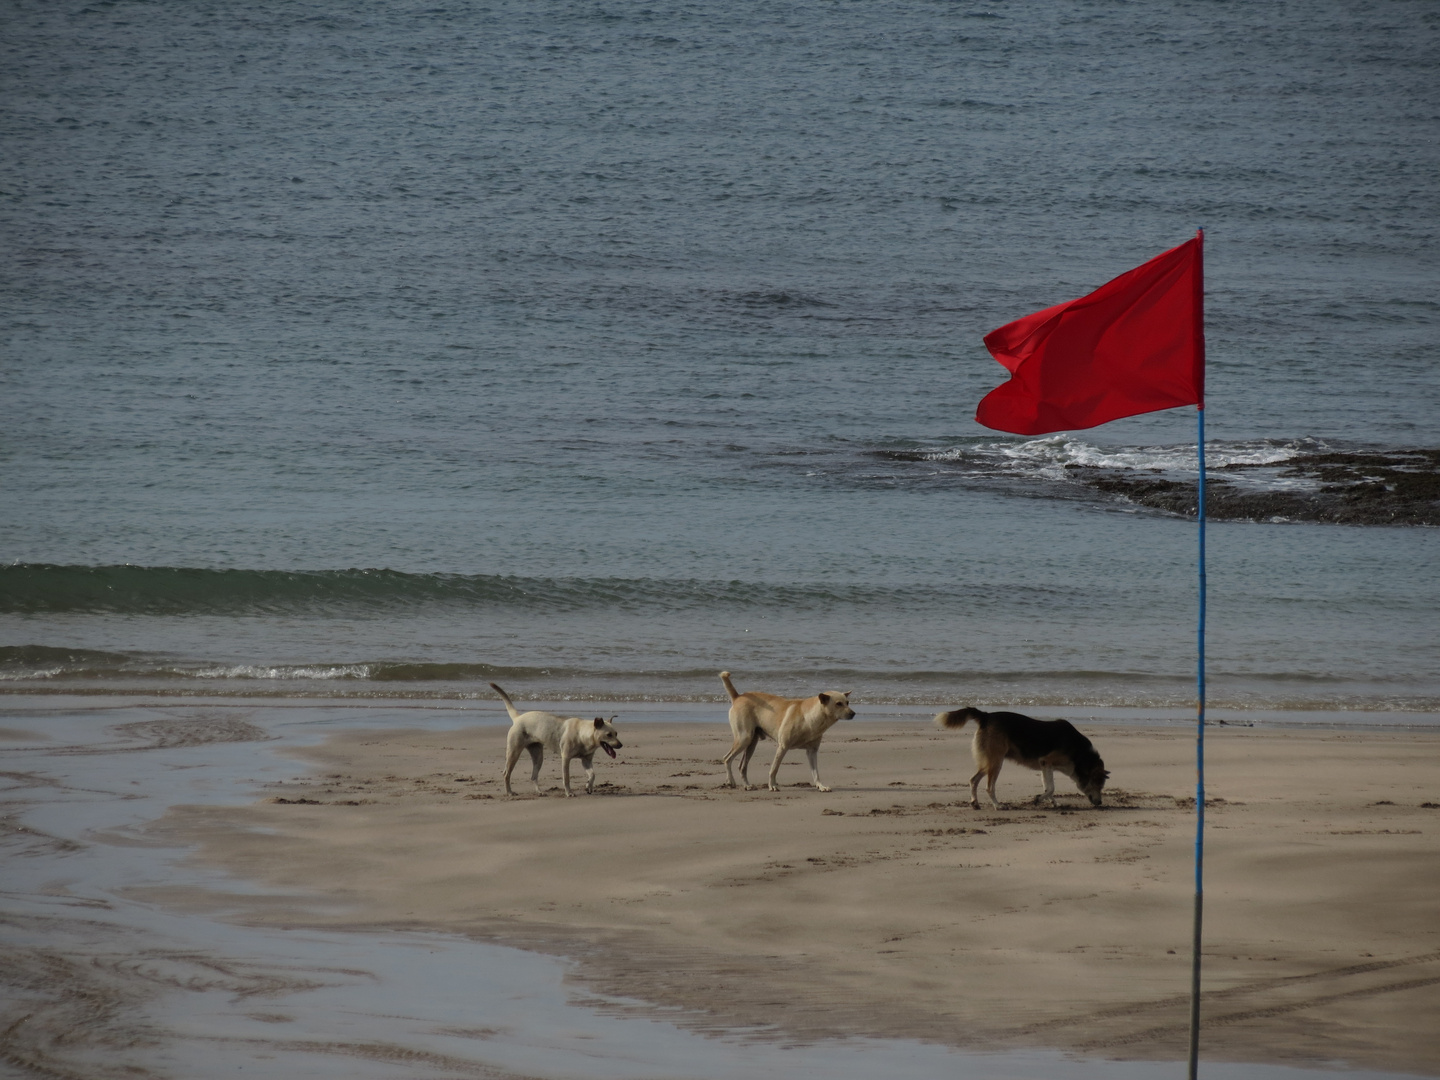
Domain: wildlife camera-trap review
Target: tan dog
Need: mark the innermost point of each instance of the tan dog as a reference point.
(570, 737)
(794, 723)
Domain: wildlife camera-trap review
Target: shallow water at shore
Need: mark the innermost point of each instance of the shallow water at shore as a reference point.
(194, 995)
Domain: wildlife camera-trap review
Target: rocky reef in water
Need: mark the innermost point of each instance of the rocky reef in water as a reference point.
(1396, 487)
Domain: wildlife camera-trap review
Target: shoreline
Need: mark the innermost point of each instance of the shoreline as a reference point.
(484, 708)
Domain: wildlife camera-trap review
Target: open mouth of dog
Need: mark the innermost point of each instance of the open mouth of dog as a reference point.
(606, 748)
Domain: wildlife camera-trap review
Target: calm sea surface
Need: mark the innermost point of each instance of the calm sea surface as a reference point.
(389, 348)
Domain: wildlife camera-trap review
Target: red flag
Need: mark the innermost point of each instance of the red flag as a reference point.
(1134, 345)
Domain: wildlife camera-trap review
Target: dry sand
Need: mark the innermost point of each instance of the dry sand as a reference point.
(889, 907)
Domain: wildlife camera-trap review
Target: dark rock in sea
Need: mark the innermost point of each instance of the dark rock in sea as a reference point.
(1357, 488)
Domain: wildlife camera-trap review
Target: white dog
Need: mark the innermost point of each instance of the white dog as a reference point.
(570, 737)
(794, 724)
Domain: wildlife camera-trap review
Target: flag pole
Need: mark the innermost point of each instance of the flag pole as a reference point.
(1134, 345)
(1199, 709)
(1199, 771)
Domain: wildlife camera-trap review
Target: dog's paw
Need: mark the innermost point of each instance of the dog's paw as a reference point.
(821, 787)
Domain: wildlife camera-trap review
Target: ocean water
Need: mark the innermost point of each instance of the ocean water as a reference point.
(391, 348)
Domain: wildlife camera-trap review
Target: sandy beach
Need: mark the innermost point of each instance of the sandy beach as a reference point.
(889, 907)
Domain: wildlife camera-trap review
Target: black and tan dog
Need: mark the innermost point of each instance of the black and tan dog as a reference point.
(1047, 745)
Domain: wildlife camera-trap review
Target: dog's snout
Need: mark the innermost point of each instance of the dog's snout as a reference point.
(618, 745)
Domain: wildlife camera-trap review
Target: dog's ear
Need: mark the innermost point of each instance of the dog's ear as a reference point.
(824, 697)
(599, 721)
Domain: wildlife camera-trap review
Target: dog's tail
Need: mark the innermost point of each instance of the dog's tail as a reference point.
(957, 718)
(509, 705)
(729, 686)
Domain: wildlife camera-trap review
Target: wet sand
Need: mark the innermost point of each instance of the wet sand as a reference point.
(889, 907)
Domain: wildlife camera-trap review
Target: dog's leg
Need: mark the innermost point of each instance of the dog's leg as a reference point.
(755, 737)
(1049, 774)
(813, 755)
(587, 762)
(991, 774)
(739, 735)
(780, 749)
(744, 746)
(537, 756)
(735, 748)
(514, 744)
(974, 789)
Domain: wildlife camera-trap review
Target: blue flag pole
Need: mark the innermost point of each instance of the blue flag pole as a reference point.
(1199, 765)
